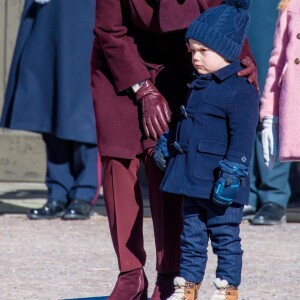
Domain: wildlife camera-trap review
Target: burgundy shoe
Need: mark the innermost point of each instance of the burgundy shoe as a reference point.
(164, 286)
(131, 285)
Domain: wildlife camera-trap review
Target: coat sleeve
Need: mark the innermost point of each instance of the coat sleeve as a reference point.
(119, 48)
(271, 93)
(242, 116)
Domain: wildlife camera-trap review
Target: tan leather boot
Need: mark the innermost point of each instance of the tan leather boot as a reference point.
(225, 291)
(185, 290)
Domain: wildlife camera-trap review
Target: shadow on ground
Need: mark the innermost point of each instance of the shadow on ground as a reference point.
(93, 298)
(19, 201)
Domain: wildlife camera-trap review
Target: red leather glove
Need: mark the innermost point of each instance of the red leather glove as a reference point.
(250, 71)
(155, 110)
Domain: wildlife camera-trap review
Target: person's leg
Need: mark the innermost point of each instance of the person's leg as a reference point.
(124, 206)
(167, 224)
(167, 219)
(224, 228)
(273, 190)
(194, 242)
(85, 170)
(58, 178)
(274, 186)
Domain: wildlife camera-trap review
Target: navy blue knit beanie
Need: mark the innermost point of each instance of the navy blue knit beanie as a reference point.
(222, 28)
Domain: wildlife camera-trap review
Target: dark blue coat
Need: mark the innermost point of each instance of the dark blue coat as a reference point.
(48, 89)
(220, 124)
(261, 32)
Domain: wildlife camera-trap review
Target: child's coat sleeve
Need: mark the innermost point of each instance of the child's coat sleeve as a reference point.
(242, 115)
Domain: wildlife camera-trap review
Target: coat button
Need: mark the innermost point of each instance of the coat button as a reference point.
(298, 36)
(297, 61)
(243, 159)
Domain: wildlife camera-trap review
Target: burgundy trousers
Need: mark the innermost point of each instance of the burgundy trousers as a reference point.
(124, 205)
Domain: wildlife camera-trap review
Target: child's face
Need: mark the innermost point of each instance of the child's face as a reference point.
(204, 59)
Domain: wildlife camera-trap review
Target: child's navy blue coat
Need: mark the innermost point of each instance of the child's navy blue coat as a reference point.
(220, 124)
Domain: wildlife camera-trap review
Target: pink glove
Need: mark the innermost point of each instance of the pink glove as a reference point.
(155, 110)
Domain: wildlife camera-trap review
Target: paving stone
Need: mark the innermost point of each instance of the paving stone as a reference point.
(57, 259)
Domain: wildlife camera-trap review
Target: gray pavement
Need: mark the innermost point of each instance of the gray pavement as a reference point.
(57, 259)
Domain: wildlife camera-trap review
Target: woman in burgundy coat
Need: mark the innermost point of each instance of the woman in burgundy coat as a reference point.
(140, 68)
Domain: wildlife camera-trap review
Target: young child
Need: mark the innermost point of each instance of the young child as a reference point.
(280, 100)
(210, 158)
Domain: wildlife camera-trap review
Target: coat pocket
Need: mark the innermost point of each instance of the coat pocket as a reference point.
(206, 165)
(215, 98)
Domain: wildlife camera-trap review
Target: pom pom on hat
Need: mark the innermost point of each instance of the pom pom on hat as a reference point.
(245, 4)
(222, 28)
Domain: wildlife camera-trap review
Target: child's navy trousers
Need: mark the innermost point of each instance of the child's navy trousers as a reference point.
(204, 220)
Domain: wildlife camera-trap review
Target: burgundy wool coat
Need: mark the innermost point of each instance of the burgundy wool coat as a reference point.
(136, 40)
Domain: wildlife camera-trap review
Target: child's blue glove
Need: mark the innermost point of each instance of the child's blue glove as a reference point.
(228, 184)
(162, 149)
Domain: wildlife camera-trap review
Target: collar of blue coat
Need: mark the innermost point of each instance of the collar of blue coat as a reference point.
(228, 71)
(201, 81)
